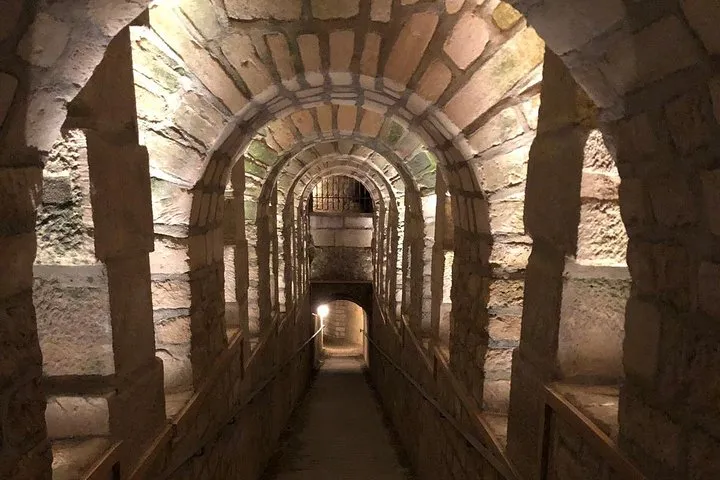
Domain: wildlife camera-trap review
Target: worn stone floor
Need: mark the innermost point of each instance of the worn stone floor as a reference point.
(338, 433)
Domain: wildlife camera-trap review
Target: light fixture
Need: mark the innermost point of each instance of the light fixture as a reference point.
(323, 311)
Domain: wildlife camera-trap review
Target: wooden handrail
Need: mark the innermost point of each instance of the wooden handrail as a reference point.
(175, 426)
(504, 468)
(554, 400)
(104, 467)
(603, 444)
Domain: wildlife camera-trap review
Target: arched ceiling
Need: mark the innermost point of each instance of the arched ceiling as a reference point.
(421, 78)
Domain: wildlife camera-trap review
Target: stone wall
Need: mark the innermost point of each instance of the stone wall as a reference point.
(435, 448)
(231, 429)
(342, 247)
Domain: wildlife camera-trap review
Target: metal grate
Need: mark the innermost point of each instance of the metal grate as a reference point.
(340, 194)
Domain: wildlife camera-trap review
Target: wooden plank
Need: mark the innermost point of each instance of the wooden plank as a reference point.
(102, 469)
(603, 444)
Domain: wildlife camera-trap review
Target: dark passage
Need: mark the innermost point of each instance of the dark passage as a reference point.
(338, 432)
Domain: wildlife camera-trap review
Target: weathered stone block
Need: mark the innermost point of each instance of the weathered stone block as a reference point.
(515, 59)
(73, 314)
(252, 10)
(499, 129)
(44, 41)
(410, 47)
(642, 339)
(327, 9)
(467, 40)
(68, 417)
(592, 328)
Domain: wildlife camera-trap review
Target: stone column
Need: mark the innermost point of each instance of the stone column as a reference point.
(123, 234)
(552, 211)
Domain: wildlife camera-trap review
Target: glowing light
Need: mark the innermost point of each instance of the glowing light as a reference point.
(323, 311)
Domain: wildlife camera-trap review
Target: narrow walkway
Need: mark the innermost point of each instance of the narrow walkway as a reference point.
(338, 432)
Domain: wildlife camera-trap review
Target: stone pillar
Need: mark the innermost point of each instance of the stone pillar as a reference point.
(123, 234)
(552, 210)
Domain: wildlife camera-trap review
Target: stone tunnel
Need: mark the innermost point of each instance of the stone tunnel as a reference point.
(377, 239)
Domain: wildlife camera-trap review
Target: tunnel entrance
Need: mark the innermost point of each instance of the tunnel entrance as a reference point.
(344, 323)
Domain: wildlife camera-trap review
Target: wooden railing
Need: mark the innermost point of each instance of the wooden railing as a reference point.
(487, 444)
(603, 445)
(108, 466)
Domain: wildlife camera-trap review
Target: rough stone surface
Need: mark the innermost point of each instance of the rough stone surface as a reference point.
(467, 40)
(45, 41)
(251, 10)
(327, 9)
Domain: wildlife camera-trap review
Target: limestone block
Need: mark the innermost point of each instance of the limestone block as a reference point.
(672, 201)
(703, 456)
(598, 186)
(510, 256)
(202, 15)
(642, 339)
(327, 9)
(507, 218)
(199, 119)
(506, 293)
(703, 18)
(326, 221)
(434, 81)
(252, 10)
(150, 106)
(688, 126)
(601, 234)
(505, 16)
(410, 47)
(202, 64)
(515, 59)
(709, 291)
(173, 331)
(660, 49)
(503, 171)
(354, 238)
(652, 430)
(346, 116)
(342, 45)
(277, 43)
(172, 158)
(592, 328)
(714, 85)
(371, 123)
(381, 10)
(358, 222)
(370, 55)
(304, 122)
(504, 330)
(44, 41)
(309, 46)
(68, 417)
(72, 305)
(171, 203)
(567, 27)
(111, 16)
(453, 6)
(324, 237)
(22, 416)
(8, 85)
(241, 53)
(497, 130)
(467, 40)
